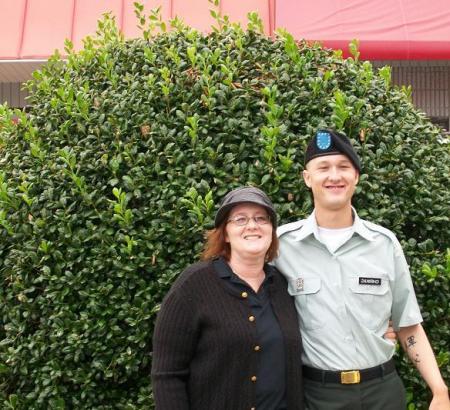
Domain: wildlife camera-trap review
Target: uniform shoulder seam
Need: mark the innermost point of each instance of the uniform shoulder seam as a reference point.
(380, 229)
(289, 227)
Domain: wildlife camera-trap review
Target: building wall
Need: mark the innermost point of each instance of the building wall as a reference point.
(12, 94)
(430, 81)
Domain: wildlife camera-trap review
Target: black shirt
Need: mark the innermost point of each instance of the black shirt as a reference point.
(271, 376)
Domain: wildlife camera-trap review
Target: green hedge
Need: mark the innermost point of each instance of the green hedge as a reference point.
(108, 183)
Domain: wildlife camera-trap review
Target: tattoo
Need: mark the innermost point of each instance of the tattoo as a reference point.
(416, 359)
(410, 342)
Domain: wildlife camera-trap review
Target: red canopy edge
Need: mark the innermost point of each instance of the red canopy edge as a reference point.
(386, 29)
(394, 50)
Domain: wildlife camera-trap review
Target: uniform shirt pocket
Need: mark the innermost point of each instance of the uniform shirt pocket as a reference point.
(371, 299)
(306, 291)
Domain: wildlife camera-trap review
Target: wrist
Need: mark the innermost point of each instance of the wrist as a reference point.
(441, 390)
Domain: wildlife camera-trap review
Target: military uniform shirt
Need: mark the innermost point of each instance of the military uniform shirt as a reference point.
(345, 298)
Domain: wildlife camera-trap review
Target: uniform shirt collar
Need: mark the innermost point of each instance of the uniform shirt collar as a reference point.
(360, 228)
(310, 227)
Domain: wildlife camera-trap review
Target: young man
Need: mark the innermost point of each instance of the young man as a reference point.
(349, 277)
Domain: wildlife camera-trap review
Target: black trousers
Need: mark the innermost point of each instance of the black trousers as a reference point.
(384, 393)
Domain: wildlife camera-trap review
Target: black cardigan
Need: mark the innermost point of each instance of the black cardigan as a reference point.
(203, 345)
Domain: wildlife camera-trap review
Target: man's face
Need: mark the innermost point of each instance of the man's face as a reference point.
(332, 179)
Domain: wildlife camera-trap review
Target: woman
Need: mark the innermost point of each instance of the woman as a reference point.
(227, 334)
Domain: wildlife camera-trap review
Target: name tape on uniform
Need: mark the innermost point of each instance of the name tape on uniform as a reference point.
(370, 281)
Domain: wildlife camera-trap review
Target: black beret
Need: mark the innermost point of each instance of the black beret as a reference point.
(330, 142)
(244, 195)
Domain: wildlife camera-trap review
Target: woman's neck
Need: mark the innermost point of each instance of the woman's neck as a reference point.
(249, 270)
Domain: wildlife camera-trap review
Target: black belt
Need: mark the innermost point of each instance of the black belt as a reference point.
(348, 376)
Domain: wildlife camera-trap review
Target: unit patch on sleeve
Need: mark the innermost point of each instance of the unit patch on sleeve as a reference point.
(370, 281)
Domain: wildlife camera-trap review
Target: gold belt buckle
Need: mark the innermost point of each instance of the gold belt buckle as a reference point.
(350, 377)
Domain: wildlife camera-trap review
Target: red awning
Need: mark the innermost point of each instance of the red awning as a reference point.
(387, 29)
(33, 29)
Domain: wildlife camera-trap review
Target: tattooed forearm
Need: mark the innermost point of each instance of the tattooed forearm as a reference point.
(410, 342)
(409, 345)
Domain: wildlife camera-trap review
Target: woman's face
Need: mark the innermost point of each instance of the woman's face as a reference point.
(251, 239)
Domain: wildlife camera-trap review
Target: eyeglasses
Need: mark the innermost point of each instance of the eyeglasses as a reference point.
(242, 220)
